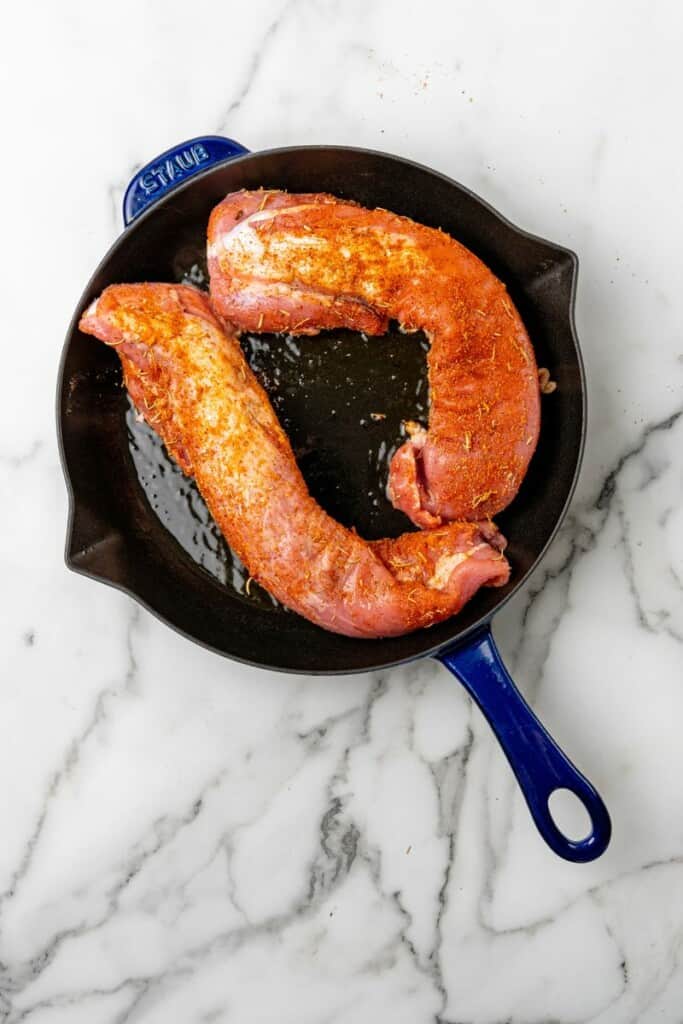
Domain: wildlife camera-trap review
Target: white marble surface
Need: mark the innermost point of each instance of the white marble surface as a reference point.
(185, 840)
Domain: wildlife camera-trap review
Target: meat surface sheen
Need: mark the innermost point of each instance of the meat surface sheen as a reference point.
(191, 382)
(305, 263)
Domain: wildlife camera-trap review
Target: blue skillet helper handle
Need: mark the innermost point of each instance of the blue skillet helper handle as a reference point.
(535, 758)
(176, 165)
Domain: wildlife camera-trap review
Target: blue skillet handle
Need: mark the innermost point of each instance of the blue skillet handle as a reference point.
(177, 164)
(535, 758)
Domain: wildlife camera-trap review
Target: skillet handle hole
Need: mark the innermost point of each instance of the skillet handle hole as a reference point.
(569, 814)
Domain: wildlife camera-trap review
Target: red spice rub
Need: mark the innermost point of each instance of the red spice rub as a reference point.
(303, 263)
(191, 382)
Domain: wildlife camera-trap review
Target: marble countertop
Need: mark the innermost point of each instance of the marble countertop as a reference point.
(188, 840)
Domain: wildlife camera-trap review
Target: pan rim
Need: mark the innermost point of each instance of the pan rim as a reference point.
(430, 651)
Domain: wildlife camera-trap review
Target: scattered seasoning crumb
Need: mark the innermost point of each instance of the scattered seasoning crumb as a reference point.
(467, 443)
(481, 498)
(378, 416)
(546, 385)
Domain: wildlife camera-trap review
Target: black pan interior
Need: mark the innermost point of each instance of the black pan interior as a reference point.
(139, 524)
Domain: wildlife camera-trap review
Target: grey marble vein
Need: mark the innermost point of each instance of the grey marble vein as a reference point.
(24, 457)
(259, 55)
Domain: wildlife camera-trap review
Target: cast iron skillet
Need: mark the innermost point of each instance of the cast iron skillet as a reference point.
(137, 524)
